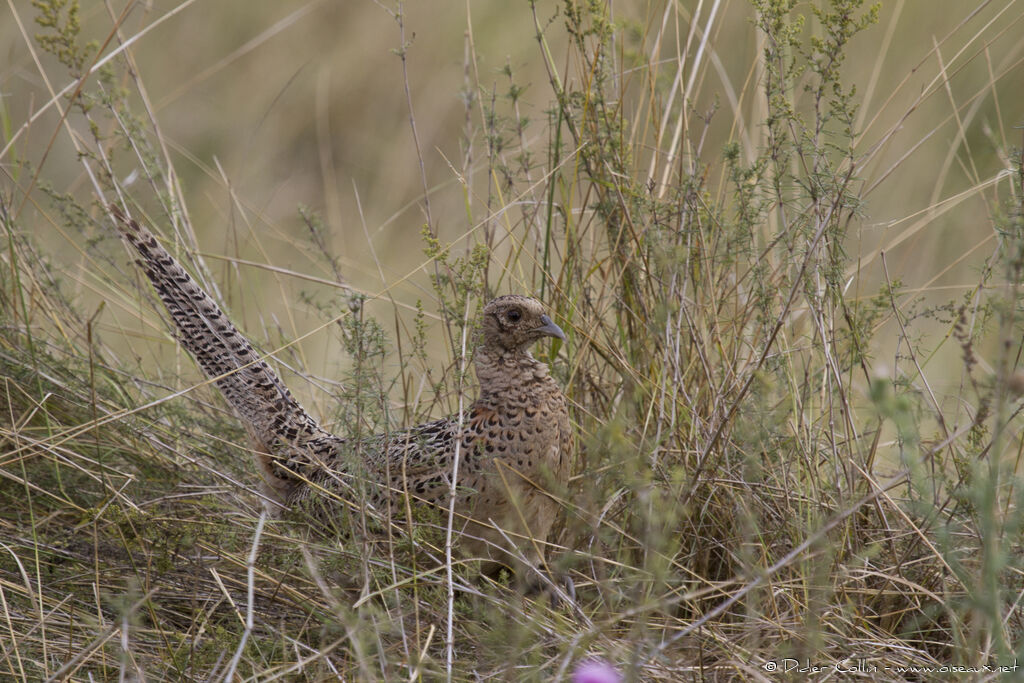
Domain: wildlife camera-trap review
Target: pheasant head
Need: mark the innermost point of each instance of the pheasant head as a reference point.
(513, 323)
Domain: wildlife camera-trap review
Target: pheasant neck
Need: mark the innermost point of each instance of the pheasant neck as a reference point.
(502, 372)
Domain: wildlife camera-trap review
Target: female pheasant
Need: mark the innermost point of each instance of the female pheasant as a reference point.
(514, 441)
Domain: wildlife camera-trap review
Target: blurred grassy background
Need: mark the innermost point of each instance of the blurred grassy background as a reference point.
(269, 105)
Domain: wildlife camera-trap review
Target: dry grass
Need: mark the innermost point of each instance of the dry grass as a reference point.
(792, 313)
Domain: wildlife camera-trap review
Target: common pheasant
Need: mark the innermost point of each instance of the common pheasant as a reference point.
(514, 441)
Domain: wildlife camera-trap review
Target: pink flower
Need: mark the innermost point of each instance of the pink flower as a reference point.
(596, 671)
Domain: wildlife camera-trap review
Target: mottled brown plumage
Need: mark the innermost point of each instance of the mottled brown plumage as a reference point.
(514, 442)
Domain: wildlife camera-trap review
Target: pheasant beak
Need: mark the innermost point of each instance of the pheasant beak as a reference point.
(550, 329)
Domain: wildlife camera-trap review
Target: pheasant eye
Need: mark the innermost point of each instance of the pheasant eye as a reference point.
(514, 315)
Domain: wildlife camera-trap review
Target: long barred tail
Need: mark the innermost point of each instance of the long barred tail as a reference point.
(274, 418)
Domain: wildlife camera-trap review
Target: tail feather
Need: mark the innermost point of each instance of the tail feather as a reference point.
(253, 389)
